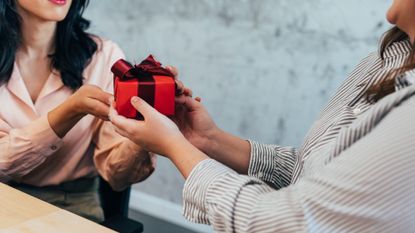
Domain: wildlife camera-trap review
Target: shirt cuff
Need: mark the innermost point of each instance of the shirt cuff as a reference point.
(196, 187)
(42, 137)
(261, 164)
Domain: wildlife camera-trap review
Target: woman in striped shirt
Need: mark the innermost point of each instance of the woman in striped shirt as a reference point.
(353, 173)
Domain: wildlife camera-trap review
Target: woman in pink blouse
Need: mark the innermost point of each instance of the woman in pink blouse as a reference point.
(55, 89)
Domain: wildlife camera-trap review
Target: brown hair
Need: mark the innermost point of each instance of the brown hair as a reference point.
(387, 86)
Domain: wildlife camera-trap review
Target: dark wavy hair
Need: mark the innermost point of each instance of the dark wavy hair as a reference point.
(73, 46)
(387, 86)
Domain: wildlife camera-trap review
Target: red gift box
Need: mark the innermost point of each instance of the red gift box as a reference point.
(148, 80)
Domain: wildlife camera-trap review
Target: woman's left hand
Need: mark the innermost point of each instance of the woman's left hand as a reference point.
(156, 133)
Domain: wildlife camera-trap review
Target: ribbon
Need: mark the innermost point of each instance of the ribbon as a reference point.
(150, 66)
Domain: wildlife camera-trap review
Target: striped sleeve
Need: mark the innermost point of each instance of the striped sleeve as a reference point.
(272, 164)
(368, 188)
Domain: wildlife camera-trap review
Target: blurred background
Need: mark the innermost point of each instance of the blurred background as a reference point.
(264, 68)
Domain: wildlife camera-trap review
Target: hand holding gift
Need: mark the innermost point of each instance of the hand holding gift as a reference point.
(191, 118)
(148, 80)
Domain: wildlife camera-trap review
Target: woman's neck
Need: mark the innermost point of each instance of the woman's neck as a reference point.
(37, 35)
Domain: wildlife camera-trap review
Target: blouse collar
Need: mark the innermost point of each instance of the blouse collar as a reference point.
(398, 49)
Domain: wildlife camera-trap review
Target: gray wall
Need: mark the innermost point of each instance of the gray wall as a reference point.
(264, 68)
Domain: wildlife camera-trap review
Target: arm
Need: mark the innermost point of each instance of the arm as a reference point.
(199, 128)
(24, 149)
(171, 143)
(87, 100)
(367, 188)
(223, 147)
(245, 157)
(253, 159)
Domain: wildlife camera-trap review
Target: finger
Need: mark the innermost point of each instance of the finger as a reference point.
(181, 99)
(198, 99)
(180, 84)
(101, 96)
(124, 124)
(97, 108)
(111, 101)
(173, 70)
(188, 92)
(142, 106)
(180, 87)
(112, 112)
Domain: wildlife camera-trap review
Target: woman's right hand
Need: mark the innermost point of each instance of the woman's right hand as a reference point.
(91, 100)
(86, 100)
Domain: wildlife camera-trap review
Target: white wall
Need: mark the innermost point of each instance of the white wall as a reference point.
(264, 68)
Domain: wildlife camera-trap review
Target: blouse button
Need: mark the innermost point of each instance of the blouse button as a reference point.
(53, 147)
(357, 111)
(260, 174)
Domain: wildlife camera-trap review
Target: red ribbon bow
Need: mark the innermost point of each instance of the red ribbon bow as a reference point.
(150, 66)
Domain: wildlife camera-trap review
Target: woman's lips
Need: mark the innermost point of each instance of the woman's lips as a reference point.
(58, 2)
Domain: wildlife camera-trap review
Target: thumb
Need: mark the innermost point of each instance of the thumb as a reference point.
(142, 106)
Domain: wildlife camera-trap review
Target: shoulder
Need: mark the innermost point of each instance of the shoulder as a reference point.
(107, 50)
(368, 64)
(98, 71)
(372, 61)
(352, 84)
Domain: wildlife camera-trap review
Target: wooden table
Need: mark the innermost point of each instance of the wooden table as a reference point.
(20, 212)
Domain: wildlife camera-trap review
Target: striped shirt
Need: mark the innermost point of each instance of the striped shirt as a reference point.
(353, 173)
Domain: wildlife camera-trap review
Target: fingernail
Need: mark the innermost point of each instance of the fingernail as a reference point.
(134, 99)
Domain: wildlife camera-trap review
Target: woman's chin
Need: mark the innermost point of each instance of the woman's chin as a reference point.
(53, 16)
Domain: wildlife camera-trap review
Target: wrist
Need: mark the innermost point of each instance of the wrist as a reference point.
(213, 141)
(73, 108)
(185, 156)
(176, 146)
(63, 118)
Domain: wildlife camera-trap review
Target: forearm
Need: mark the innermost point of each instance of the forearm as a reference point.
(22, 150)
(185, 156)
(229, 150)
(64, 117)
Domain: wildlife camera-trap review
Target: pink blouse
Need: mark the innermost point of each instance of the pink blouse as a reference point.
(31, 152)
